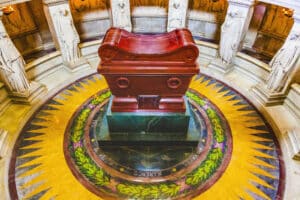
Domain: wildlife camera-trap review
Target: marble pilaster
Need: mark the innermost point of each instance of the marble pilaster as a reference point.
(293, 143)
(177, 14)
(233, 31)
(120, 12)
(284, 69)
(12, 71)
(3, 143)
(65, 35)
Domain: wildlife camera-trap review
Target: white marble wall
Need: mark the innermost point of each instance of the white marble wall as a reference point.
(205, 24)
(92, 24)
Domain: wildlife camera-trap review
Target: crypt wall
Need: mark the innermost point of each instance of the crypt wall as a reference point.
(32, 34)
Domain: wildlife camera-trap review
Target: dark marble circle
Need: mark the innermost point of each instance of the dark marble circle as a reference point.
(131, 162)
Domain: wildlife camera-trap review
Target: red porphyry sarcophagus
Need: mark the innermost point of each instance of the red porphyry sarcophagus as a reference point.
(148, 72)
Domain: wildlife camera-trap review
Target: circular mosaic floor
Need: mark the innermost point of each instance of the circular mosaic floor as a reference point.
(64, 152)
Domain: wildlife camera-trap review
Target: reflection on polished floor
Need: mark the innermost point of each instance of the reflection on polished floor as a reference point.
(66, 152)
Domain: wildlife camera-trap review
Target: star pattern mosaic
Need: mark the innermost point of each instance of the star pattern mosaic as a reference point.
(249, 168)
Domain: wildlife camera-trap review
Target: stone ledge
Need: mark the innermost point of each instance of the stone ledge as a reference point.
(149, 11)
(43, 66)
(293, 99)
(292, 138)
(36, 92)
(266, 97)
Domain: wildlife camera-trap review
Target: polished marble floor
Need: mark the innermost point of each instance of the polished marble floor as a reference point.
(65, 151)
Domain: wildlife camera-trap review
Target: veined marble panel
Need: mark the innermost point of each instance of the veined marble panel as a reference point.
(89, 51)
(208, 52)
(149, 11)
(92, 24)
(43, 66)
(93, 28)
(253, 68)
(206, 29)
(153, 25)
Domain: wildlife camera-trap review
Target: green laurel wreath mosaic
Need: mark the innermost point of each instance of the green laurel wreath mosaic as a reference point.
(96, 175)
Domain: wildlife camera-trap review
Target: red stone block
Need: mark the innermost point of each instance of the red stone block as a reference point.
(148, 72)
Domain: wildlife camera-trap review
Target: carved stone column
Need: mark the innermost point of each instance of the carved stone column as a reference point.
(59, 17)
(177, 14)
(120, 12)
(12, 71)
(285, 69)
(233, 31)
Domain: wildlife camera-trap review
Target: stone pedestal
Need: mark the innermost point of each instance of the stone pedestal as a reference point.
(80, 65)
(266, 97)
(35, 91)
(284, 70)
(293, 143)
(218, 65)
(148, 122)
(152, 73)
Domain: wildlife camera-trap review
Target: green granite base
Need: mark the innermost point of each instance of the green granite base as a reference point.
(148, 122)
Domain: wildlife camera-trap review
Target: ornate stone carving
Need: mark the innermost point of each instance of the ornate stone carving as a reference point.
(121, 14)
(231, 33)
(177, 14)
(12, 66)
(67, 36)
(283, 63)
